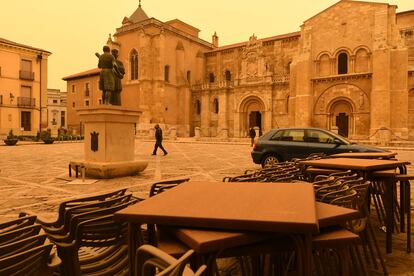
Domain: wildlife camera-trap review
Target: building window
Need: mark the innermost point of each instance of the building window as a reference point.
(62, 118)
(342, 63)
(133, 63)
(25, 121)
(198, 107)
(228, 75)
(189, 76)
(86, 103)
(26, 72)
(1, 99)
(216, 106)
(167, 73)
(211, 77)
(100, 101)
(73, 88)
(73, 104)
(87, 89)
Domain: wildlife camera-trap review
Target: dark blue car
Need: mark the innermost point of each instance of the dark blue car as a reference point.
(283, 144)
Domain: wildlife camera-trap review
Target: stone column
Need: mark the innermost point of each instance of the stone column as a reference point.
(380, 94)
(399, 93)
(222, 116)
(205, 113)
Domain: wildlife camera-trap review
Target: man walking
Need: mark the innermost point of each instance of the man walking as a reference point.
(252, 134)
(158, 140)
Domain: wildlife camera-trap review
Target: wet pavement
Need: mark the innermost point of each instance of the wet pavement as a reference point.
(34, 178)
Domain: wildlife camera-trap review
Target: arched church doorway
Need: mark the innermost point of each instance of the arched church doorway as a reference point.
(341, 117)
(255, 119)
(251, 114)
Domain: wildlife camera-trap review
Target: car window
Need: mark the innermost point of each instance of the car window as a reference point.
(317, 136)
(277, 135)
(295, 135)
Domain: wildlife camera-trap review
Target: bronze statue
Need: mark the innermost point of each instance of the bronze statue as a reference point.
(106, 78)
(119, 72)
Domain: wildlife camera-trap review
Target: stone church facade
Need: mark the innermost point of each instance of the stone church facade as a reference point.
(349, 68)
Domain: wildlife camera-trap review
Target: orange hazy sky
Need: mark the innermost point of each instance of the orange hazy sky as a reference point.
(74, 30)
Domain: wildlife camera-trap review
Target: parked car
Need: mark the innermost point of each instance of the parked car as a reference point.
(283, 144)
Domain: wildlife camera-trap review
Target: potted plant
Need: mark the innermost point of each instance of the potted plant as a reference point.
(11, 139)
(46, 137)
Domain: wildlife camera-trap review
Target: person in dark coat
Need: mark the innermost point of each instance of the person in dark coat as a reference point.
(158, 140)
(252, 134)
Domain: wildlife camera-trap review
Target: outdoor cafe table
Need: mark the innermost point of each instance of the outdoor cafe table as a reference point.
(365, 155)
(261, 207)
(367, 167)
(207, 241)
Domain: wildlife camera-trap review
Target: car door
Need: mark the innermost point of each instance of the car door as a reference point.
(292, 143)
(323, 142)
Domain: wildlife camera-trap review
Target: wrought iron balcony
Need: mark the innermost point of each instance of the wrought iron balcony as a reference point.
(26, 102)
(26, 75)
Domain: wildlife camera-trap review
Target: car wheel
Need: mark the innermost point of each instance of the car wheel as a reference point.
(270, 160)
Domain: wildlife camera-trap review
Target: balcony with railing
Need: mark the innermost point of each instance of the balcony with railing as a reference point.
(26, 75)
(26, 102)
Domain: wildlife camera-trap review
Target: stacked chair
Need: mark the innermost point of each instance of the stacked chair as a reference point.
(88, 240)
(23, 251)
(356, 244)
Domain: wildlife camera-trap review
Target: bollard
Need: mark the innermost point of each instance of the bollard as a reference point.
(83, 173)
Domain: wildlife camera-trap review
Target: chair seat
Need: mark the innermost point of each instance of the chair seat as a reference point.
(171, 245)
(335, 239)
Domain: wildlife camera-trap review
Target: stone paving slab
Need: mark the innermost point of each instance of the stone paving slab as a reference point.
(34, 177)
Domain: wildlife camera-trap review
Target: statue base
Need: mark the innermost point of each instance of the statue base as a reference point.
(109, 145)
(109, 169)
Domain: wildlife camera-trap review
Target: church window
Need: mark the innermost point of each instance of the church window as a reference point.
(198, 107)
(167, 73)
(189, 76)
(134, 64)
(216, 106)
(342, 63)
(211, 77)
(228, 75)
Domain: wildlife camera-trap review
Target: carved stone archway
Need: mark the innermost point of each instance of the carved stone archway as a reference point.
(351, 101)
(251, 113)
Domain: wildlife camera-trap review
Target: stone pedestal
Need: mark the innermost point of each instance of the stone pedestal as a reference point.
(109, 142)
(197, 133)
(173, 133)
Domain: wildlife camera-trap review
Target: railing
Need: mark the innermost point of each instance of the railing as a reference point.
(26, 102)
(213, 85)
(26, 75)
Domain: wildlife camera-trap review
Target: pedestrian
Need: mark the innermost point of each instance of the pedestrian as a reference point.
(252, 134)
(158, 140)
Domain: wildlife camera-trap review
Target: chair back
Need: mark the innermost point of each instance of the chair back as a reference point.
(164, 185)
(21, 245)
(21, 233)
(17, 223)
(29, 262)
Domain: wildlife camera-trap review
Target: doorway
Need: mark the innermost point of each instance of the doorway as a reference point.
(342, 122)
(255, 119)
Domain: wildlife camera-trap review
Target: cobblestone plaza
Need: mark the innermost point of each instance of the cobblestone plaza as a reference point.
(34, 177)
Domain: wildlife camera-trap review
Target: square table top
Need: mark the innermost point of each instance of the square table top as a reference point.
(204, 241)
(271, 207)
(354, 164)
(365, 155)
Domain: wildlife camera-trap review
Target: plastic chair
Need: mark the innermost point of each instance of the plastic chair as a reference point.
(149, 258)
(30, 262)
(76, 202)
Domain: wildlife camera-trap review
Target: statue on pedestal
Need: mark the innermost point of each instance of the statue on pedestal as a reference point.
(106, 78)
